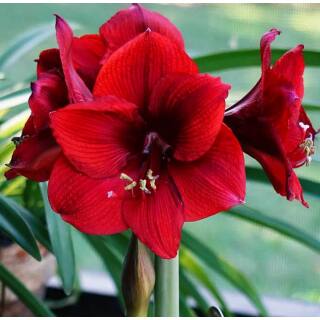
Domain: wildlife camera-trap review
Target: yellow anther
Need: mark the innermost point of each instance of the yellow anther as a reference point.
(143, 186)
(152, 179)
(153, 184)
(130, 186)
(150, 175)
(308, 148)
(125, 177)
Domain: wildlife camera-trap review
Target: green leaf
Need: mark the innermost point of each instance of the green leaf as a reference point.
(225, 269)
(184, 310)
(310, 107)
(251, 215)
(14, 99)
(189, 288)
(257, 174)
(110, 257)
(14, 225)
(32, 199)
(246, 58)
(194, 268)
(23, 44)
(36, 225)
(61, 242)
(27, 297)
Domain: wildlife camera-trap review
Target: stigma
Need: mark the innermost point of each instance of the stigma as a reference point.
(308, 148)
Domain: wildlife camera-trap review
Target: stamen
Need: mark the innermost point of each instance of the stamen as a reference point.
(124, 176)
(305, 127)
(152, 179)
(143, 186)
(130, 186)
(150, 175)
(308, 148)
(153, 185)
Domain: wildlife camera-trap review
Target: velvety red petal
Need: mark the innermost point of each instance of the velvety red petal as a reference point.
(213, 183)
(48, 93)
(128, 23)
(265, 48)
(156, 219)
(49, 61)
(34, 156)
(28, 129)
(91, 205)
(78, 91)
(133, 70)
(187, 111)
(281, 174)
(87, 53)
(98, 137)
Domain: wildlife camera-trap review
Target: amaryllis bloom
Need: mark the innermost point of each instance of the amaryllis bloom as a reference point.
(271, 123)
(67, 75)
(149, 151)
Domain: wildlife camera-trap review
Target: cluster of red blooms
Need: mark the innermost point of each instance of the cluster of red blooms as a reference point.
(131, 135)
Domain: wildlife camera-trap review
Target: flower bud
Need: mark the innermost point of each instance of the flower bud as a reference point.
(138, 279)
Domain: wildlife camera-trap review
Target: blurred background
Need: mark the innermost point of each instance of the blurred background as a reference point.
(277, 266)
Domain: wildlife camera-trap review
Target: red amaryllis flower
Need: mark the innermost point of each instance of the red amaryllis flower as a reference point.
(150, 151)
(67, 75)
(271, 123)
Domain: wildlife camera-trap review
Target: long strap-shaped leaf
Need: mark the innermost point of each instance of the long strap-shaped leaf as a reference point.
(39, 230)
(31, 301)
(61, 242)
(13, 224)
(225, 269)
(251, 215)
(246, 58)
(192, 266)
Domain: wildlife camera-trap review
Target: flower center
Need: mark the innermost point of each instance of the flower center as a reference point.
(146, 185)
(308, 148)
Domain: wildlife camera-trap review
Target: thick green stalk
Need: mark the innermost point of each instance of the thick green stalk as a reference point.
(166, 293)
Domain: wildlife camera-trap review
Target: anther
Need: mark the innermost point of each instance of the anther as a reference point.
(130, 186)
(125, 177)
(308, 148)
(152, 179)
(150, 175)
(143, 186)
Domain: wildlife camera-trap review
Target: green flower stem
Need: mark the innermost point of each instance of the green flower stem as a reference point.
(166, 293)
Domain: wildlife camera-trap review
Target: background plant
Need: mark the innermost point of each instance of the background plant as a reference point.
(219, 252)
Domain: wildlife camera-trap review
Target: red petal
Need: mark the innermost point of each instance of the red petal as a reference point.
(133, 70)
(156, 219)
(128, 23)
(265, 48)
(34, 156)
(78, 91)
(49, 61)
(290, 67)
(214, 183)
(281, 175)
(84, 202)
(28, 129)
(187, 111)
(48, 93)
(87, 52)
(98, 137)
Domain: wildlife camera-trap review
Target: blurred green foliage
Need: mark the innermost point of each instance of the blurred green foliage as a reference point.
(274, 264)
